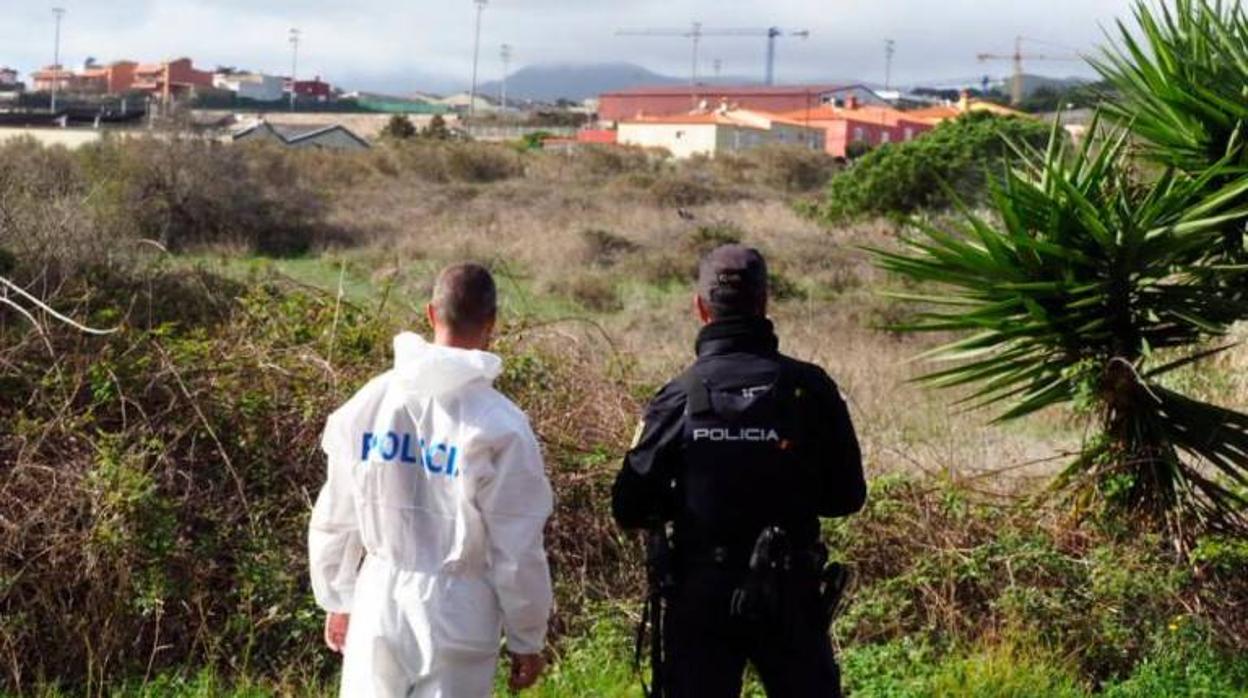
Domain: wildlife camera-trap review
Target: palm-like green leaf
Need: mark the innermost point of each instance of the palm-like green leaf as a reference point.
(1182, 85)
(1082, 267)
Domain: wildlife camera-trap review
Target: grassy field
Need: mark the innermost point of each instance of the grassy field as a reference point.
(155, 483)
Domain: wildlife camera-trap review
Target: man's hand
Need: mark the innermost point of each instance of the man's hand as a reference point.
(525, 670)
(336, 630)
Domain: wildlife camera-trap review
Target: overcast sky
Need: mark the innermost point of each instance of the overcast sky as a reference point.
(413, 44)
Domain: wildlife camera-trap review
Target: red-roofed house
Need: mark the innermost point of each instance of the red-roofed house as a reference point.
(112, 79)
(870, 125)
(171, 79)
(671, 100)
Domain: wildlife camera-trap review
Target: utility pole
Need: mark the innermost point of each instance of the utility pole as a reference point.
(294, 67)
(505, 54)
(718, 65)
(476, 53)
(57, 73)
(696, 35)
(890, 48)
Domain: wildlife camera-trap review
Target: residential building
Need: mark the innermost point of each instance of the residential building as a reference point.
(332, 137)
(966, 104)
(112, 79)
(171, 80)
(53, 77)
(254, 86)
(674, 100)
(8, 77)
(716, 132)
(315, 89)
(870, 125)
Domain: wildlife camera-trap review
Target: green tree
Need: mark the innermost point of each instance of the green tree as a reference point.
(902, 178)
(399, 128)
(1084, 287)
(437, 129)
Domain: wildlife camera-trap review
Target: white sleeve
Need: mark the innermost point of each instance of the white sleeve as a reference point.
(334, 546)
(515, 501)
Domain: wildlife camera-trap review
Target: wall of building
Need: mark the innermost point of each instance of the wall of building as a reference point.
(681, 140)
(628, 105)
(65, 137)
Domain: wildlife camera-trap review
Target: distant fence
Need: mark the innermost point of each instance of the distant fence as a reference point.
(514, 133)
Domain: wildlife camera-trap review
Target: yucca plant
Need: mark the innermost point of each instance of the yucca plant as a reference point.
(1180, 80)
(1084, 287)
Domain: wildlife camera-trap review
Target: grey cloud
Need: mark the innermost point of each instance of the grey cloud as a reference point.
(405, 43)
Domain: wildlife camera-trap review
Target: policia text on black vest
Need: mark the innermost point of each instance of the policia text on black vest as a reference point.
(736, 461)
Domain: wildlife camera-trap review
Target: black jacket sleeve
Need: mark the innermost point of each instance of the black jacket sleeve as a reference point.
(837, 455)
(642, 492)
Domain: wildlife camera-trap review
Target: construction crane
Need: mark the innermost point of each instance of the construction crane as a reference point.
(696, 32)
(1016, 88)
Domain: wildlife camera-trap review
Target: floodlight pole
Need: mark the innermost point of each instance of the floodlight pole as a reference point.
(294, 67)
(58, 12)
(476, 54)
(890, 47)
(506, 56)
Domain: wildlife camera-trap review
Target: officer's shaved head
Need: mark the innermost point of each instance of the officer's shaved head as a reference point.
(465, 298)
(732, 282)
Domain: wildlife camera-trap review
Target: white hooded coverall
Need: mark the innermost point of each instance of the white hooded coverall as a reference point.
(437, 481)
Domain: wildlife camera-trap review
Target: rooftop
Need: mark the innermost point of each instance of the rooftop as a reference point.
(737, 90)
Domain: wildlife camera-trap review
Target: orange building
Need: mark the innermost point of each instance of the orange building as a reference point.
(112, 79)
(52, 77)
(171, 80)
(872, 125)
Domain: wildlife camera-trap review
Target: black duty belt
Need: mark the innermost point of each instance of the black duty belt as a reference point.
(806, 559)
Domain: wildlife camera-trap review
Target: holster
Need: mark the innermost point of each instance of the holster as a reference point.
(834, 581)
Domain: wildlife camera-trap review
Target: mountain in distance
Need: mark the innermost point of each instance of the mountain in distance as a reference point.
(576, 81)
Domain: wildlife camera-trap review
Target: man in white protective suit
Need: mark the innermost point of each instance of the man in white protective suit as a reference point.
(436, 482)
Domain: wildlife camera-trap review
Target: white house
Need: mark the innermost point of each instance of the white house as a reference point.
(257, 86)
(721, 131)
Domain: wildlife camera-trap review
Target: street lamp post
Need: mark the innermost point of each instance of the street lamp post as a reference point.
(506, 56)
(294, 66)
(58, 12)
(476, 53)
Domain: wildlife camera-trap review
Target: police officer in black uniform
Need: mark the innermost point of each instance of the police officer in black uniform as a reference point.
(734, 464)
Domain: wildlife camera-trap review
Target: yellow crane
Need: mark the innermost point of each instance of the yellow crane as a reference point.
(1016, 86)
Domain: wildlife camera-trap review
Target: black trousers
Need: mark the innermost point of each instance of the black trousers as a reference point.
(707, 647)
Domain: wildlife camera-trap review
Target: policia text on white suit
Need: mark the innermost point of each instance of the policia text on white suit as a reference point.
(429, 451)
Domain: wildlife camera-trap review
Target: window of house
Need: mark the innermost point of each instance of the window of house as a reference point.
(885, 137)
(859, 134)
(909, 133)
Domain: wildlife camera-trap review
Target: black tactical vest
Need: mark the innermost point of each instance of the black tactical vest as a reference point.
(745, 465)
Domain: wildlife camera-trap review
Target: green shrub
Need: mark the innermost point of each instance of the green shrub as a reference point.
(902, 178)
(681, 190)
(791, 168)
(593, 291)
(399, 127)
(604, 248)
(708, 236)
